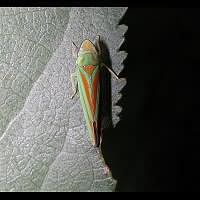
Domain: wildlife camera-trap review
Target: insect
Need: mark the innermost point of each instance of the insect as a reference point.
(86, 81)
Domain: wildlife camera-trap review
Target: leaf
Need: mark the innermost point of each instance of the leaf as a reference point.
(44, 144)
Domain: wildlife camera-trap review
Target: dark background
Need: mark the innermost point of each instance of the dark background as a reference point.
(156, 145)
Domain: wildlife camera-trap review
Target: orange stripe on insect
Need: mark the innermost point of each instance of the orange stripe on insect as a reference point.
(95, 90)
(87, 91)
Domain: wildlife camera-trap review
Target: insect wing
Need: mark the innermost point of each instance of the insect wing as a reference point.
(89, 89)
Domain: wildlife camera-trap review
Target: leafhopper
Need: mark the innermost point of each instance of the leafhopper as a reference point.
(86, 81)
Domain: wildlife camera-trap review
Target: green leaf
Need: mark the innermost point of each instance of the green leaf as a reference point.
(44, 144)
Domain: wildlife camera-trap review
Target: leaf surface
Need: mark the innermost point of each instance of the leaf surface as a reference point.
(44, 144)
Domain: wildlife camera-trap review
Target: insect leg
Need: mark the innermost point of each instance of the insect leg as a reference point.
(74, 50)
(74, 84)
(110, 70)
(98, 44)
